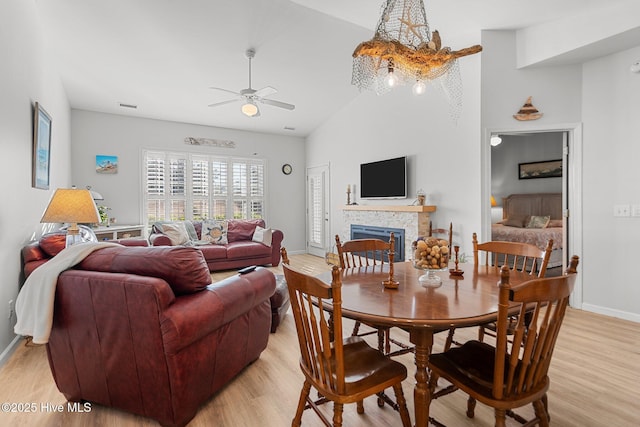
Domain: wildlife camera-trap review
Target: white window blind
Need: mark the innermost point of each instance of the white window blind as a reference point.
(180, 186)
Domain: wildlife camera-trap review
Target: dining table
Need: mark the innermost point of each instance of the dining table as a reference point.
(467, 299)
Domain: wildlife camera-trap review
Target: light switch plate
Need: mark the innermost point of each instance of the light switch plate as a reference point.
(635, 210)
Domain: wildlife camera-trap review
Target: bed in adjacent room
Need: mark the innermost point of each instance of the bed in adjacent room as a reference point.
(532, 218)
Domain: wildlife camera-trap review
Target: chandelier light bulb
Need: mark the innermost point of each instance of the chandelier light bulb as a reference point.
(391, 80)
(419, 88)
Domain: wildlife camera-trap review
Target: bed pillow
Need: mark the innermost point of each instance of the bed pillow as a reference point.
(519, 221)
(215, 232)
(538, 221)
(554, 223)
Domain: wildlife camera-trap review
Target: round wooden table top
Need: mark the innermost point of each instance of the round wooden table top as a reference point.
(465, 300)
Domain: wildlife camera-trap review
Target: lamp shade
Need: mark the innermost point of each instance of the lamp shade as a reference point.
(493, 202)
(71, 206)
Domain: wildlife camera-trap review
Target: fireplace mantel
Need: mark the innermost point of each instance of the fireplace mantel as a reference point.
(390, 208)
(413, 219)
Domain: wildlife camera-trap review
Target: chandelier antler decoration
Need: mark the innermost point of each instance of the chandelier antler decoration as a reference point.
(403, 50)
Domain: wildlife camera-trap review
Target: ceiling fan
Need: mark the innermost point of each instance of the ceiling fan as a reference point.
(251, 97)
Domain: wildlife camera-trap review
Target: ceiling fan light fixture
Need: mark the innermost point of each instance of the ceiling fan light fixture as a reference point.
(249, 109)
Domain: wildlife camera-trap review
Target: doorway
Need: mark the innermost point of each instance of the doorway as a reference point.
(570, 150)
(318, 192)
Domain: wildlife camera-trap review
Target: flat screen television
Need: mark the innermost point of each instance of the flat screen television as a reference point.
(385, 179)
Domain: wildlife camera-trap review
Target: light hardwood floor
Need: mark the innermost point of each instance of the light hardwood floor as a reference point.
(595, 381)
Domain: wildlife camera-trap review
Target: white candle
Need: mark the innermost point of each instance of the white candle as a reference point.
(348, 188)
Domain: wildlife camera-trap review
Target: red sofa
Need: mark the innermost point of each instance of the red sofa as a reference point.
(240, 251)
(144, 331)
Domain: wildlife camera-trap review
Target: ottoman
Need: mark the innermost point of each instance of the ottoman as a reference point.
(279, 302)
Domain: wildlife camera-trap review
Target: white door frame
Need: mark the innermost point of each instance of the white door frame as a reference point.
(573, 174)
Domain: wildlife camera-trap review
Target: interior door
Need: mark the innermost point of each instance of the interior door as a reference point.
(318, 233)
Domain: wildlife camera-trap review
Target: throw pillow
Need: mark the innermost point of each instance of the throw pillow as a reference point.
(516, 221)
(262, 235)
(176, 232)
(52, 244)
(191, 230)
(554, 223)
(215, 232)
(538, 221)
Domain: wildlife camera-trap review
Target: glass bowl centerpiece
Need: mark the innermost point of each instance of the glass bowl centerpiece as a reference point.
(430, 254)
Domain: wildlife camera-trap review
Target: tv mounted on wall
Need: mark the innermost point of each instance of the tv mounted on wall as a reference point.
(385, 179)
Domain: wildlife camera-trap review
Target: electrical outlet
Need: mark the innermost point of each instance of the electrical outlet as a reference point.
(11, 309)
(621, 210)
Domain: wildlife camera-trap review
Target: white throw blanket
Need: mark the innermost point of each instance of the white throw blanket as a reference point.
(34, 305)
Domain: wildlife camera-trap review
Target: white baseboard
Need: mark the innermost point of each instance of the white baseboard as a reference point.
(634, 317)
(6, 354)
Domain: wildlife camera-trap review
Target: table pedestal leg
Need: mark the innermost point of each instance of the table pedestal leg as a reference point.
(423, 340)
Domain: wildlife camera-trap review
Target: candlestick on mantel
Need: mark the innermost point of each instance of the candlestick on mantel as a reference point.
(348, 194)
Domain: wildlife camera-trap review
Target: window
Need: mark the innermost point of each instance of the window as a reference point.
(179, 186)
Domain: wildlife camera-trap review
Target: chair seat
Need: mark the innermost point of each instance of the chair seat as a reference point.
(471, 368)
(364, 365)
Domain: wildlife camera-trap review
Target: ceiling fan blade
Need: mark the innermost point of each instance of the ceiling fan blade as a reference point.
(224, 102)
(278, 104)
(266, 91)
(225, 90)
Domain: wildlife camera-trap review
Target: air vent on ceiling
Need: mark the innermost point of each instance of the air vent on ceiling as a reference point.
(123, 105)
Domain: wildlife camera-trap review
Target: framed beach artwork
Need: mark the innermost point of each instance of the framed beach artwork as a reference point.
(106, 164)
(546, 169)
(41, 148)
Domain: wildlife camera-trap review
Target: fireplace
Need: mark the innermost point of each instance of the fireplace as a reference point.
(382, 233)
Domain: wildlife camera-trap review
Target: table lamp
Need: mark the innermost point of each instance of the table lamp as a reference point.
(71, 206)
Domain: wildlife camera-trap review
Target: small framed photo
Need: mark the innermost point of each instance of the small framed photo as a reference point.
(546, 169)
(106, 164)
(41, 156)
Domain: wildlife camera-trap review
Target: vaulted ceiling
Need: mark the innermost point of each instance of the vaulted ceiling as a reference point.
(163, 55)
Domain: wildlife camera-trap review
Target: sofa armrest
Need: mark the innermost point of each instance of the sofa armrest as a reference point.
(159, 239)
(194, 316)
(276, 242)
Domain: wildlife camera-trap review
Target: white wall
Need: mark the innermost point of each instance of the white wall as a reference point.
(443, 156)
(516, 149)
(97, 133)
(602, 95)
(26, 76)
(611, 155)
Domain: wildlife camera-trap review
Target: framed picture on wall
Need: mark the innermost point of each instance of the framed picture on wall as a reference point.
(106, 164)
(546, 169)
(41, 148)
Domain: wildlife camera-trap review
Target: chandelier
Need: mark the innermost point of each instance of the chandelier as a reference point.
(404, 51)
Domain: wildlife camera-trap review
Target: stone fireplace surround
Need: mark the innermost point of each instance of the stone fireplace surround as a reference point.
(413, 219)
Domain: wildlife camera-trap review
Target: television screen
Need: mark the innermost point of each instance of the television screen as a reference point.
(385, 179)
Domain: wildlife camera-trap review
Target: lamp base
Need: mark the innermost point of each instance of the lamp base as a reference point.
(73, 239)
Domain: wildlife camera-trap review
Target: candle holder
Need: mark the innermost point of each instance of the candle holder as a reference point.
(391, 283)
(456, 271)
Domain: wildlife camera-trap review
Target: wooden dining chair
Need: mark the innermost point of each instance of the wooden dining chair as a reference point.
(441, 232)
(517, 256)
(366, 253)
(511, 374)
(341, 370)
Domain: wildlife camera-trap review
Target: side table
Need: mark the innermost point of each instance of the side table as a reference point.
(115, 232)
